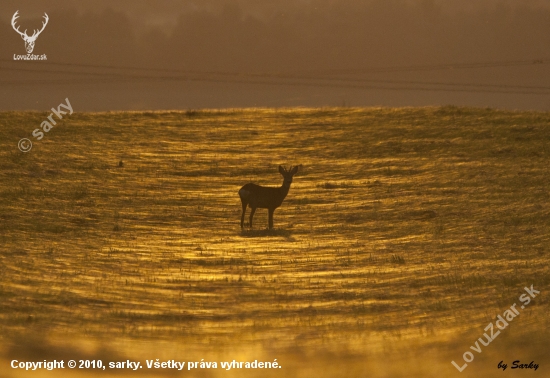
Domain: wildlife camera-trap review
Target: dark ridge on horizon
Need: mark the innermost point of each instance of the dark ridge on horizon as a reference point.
(360, 42)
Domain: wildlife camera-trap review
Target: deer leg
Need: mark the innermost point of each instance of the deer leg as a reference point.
(271, 218)
(252, 211)
(242, 216)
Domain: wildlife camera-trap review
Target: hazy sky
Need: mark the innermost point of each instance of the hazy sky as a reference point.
(213, 53)
(166, 12)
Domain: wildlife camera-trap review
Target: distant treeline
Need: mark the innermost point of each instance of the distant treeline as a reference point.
(308, 38)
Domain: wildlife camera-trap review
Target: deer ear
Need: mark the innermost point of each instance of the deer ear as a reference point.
(295, 169)
(281, 169)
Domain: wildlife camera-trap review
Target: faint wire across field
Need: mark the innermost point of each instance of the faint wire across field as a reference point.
(88, 73)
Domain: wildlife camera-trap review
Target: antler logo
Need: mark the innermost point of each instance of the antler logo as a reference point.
(29, 41)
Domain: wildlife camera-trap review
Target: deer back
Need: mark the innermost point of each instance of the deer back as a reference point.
(263, 197)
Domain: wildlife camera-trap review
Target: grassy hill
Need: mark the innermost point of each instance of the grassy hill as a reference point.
(405, 234)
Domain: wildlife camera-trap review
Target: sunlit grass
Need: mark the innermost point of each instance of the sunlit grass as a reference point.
(406, 228)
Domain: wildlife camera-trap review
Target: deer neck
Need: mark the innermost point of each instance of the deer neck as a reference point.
(285, 188)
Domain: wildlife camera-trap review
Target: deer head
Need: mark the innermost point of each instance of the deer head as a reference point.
(288, 174)
(29, 41)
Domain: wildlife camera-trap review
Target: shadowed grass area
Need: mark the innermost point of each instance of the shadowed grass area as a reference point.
(406, 233)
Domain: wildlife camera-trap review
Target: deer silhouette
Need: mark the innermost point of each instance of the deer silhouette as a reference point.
(262, 197)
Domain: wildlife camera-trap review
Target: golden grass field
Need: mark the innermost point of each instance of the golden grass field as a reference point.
(406, 232)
